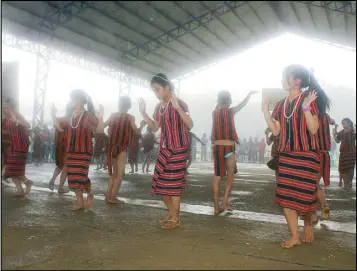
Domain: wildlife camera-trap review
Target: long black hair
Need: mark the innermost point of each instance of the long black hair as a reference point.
(308, 80)
(349, 121)
(162, 80)
(81, 96)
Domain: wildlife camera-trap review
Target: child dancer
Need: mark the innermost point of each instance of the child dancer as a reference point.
(347, 161)
(223, 137)
(172, 116)
(295, 118)
(60, 141)
(79, 149)
(18, 129)
(121, 129)
(149, 141)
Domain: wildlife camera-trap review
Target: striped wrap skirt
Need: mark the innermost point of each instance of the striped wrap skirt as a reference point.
(325, 163)
(77, 169)
(219, 160)
(16, 163)
(347, 162)
(169, 174)
(298, 176)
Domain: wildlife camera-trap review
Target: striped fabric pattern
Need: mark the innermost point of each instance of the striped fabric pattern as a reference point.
(134, 149)
(101, 142)
(348, 141)
(119, 136)
(325, 167)
(16, 163)
(219, 161)
(347, 162)
(19, 144)
(169, 174)
(170, 167)
(323, 133)
(294, 135)
(298, 175)
(60, 148)
(223, 126)
(77, 168)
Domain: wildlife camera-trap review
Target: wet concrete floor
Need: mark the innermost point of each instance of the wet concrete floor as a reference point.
(41, 232)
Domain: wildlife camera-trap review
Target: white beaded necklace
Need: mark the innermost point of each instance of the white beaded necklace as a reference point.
(165, 108)
(297, 102)
(79, 120)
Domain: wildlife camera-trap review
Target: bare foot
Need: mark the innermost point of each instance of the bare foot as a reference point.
(114, 201)
(308, 235)
(90, 200)
(51, 185)
(165, 219)
(63, 191)
(19, 194)
(28, 187)
(291, 243)
(171, 224)
(77, 207)
(325, 213)
(218, 210)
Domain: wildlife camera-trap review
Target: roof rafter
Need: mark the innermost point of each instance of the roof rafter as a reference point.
(337, 6)
(205, 26)
(157, 27)
(188, 27)
(178, 23)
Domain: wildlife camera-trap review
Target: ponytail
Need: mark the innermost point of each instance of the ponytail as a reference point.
(90, 106)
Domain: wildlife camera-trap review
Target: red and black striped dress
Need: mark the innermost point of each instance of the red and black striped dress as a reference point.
(324, 137)
(170, 167)
(299, 160)
(60, 142)
(19, 146)
(223, 128)
(79, 149)
(5, 146)
(120, 134)
(347, 160)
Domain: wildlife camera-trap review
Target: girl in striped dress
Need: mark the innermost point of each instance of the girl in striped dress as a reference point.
(324, 146)
(172, 116)
(347, 161)
(223, 137)
(18, 129)
(60, 141)
(120, 133)
(295, 119)
(100, 147)
(79, 149)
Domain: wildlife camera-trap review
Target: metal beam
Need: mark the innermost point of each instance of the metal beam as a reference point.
(205, 26)
(229, 5)
(116, 36)
(73, 60)
(63, 13)
(93, 39)
(42, 71)
(295, 11)
(256, 15)
(178, 23)
(344, 7)
(183, 29)
(118, 3)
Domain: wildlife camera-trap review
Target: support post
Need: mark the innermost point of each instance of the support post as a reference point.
(42, 70)
(124, 86)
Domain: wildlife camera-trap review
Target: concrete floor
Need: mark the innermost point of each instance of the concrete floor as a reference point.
(41, 232)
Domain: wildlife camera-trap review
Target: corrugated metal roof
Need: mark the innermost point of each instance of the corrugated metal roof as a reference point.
(176, 37)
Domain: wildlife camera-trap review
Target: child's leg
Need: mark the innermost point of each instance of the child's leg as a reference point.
(121, 161)
(168, 202)
(215, 190)
(63, 178)
(19, 188)
(80, 202)
(111, 179)
(175, 213)
(230, 165)
(56, 172)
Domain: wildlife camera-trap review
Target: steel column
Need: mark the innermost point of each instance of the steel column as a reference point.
(125, 86)
(42, 70)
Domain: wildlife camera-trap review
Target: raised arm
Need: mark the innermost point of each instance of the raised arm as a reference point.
(55, 120)
(152, 124)
(240, 106)
(136, 130)
(268, 139)
(184, 115)
(273, 125)
(100, 127)
(309, 107)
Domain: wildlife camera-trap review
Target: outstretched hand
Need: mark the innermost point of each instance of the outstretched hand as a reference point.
(266, 106)
(309, 99)
(252, 92)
